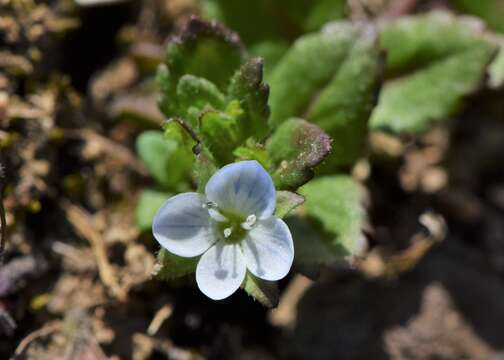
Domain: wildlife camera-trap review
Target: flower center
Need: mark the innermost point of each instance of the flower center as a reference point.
(231, 227)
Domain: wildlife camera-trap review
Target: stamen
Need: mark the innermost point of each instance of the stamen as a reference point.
(249, 222)
(227, 232)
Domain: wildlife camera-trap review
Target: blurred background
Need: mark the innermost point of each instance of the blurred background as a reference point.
(77, 88)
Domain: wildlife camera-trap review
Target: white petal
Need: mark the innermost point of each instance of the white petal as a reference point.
(269, 250)
(182, 225)
(216, 215)
(221, 270)
(243, 187)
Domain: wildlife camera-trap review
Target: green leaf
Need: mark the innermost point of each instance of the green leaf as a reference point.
(266, 292)
(429, 74)
(170, 266)
(492, 11)
(199, 93)
(200, 62)
(338, 93)
(334, 206)
(177, 130)
(196, 96)
(252, 93)
(322, 12)
(271, 52)
(252, 151)
(214, 128)
(167, 87)
(286, 202)
(295, 149)
(262, 20)
(167, 160)
(496, 69)
(204, 168)
(312, 246)
(148, 204)
(205, 49)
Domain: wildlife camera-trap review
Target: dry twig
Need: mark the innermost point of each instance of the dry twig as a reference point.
(285, 314)
(83, 225)
(158, 320)
(43, 331)
(381, 264)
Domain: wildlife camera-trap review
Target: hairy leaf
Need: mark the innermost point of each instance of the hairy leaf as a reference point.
(338, 93)
(220, 134)
(286, 202)
(252, 93)
(429, 75)
(492, 11)
(263, 20)
(167, 87)
(252, 150)
(167, 160)
(170, 266)
(205, 49)
(322, 12)
(199, 64)
(266, 292)
(334, 206)
(204, 168)
(198, 93)
(312, 246)
(496, 69)
(295, 149)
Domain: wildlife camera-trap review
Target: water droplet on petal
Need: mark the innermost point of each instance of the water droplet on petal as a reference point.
(209, 205)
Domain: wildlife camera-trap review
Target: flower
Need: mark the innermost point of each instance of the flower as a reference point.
(232, 227)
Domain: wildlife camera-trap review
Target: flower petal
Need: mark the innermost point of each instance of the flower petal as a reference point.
(183, 226)
(269, 250)
(221, 270)
(243, 187)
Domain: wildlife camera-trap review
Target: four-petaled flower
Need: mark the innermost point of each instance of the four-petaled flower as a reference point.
(232, 226)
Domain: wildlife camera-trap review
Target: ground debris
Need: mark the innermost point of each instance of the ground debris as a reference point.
(380, 262)
(83, 225)
(15, 274)
(433, 312)
(70, 339)
(76, 290)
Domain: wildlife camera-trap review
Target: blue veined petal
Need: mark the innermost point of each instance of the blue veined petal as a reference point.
(183, 226)
(243, 187)
(268, 249)
(221, 270)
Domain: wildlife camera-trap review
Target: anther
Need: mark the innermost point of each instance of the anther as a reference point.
(249, 222)
(227, 232)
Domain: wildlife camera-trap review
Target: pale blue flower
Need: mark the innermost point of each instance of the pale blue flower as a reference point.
(232, 226)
